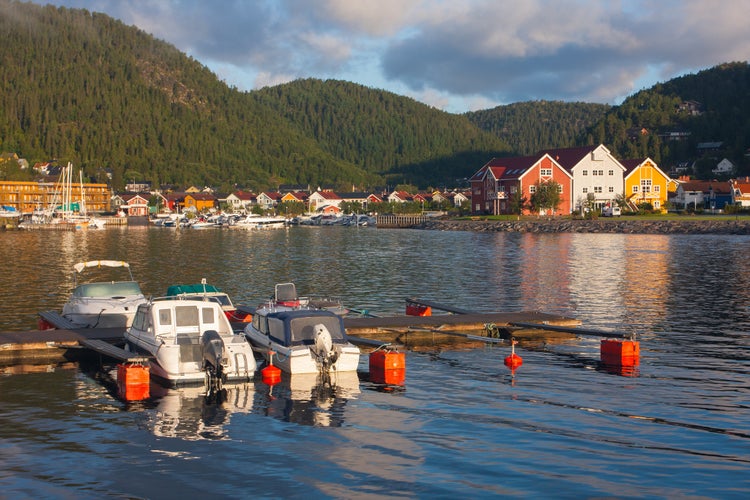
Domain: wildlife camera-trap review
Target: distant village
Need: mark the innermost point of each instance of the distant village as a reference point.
(588, 179)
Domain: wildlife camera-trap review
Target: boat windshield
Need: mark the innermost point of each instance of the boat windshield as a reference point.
(303, 329)
(114, 289)
(221, 299)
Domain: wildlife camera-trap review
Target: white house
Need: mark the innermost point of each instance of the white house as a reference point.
(324, 198)
(594, 170)
(724, 167)
(240, 200)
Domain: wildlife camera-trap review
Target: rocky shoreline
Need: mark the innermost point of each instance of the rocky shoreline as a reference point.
(620, 225)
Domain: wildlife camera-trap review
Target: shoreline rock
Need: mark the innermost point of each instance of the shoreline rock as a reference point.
(623, 226)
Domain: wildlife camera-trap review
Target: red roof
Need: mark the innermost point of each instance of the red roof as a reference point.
(569, 157)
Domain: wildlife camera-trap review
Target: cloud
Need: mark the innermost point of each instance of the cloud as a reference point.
(450, 52)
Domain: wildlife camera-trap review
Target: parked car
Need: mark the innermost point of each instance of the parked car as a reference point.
(611, 212)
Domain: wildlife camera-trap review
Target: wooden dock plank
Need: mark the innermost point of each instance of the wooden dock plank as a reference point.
(471, 321)
(54, 318)
(113, 351)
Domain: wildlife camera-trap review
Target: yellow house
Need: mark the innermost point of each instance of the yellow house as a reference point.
(201, 202)
(646, 183)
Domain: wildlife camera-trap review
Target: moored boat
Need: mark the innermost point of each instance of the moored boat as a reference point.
(303, 340)
(103, 304)
(254, 221)
(204, 291)
(191, 341)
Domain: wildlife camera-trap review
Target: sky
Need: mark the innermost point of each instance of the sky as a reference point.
(454, 55)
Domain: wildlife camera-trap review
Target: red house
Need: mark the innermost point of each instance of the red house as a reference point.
(495, 185)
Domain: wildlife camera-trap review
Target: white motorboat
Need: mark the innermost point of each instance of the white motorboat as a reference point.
(285, 297)
(254, 221)
(192, 342)
(303, 340)
(103, 304)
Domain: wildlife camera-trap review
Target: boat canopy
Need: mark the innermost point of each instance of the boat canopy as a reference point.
(99, 263)
(297, 327)
(191, 289)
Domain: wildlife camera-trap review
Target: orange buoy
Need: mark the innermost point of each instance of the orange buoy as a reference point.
(514, 360)
(620, 352)
(133, 381)
(387, 367)
(271, 375)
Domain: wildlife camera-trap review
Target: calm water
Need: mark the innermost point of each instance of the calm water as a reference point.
(461, 425)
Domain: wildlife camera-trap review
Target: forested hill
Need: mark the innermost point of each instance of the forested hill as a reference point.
(391, 135)
(536, 125)
(82, 87)
(711, 106)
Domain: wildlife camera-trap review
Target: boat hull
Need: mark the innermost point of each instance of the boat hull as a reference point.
(300, 359)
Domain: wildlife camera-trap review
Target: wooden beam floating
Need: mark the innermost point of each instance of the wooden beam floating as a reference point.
(573, 330)
(436, 305)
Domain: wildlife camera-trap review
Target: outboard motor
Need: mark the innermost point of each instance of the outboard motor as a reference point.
(213, 356)
(323, 348)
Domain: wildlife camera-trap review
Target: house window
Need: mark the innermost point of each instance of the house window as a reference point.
(611, 172)
(601, 172)
(635, 188)
(513, 189)
(585, 190)
(532, 189)
(611, 189)
(594, 172)
(559, 188)
(646, 185)
(546, 172)
(585, 172)
(597, 189)
(657, 189)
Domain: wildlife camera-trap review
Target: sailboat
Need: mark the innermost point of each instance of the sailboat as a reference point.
(63, 209)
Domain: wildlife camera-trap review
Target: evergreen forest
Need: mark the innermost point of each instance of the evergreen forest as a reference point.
(82, 87)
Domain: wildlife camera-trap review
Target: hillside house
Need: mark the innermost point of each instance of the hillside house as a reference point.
(708, 195)
(724, 167)
(400, 197)
(200, 202)
(322, 199)
(267, 200)
(741, 191)
(134, 204)
(646, 183)
(361, 198)
(239, 201)
(502, 180)
(594, 171)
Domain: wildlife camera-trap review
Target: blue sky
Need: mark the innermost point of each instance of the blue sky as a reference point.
(455, 55)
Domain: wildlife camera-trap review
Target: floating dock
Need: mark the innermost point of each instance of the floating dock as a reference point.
(454, 327)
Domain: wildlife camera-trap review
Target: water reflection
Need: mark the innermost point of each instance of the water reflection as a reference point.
(310, 399)
(191, 413)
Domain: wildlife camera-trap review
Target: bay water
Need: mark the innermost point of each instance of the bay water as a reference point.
(462, 425)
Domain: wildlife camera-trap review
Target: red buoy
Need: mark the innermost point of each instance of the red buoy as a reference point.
(514, 360)
(271, 375)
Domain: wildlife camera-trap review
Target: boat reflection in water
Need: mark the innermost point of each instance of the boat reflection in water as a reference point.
(192, 413)
(310, 398)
